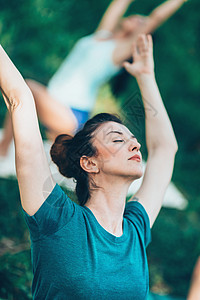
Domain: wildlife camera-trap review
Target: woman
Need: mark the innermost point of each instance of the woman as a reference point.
(95, 250)
(96, 58)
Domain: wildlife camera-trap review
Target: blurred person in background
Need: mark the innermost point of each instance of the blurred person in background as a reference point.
(65, 104)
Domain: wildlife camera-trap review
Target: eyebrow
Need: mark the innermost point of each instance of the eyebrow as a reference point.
(119, 132)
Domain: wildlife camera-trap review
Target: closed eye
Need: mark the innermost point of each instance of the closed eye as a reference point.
(118, 141)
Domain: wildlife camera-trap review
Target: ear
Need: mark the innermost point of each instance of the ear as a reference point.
(89, 164)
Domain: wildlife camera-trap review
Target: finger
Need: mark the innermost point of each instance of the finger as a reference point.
(134, 51)
(142, 43)
(127, 66)
(150, 42)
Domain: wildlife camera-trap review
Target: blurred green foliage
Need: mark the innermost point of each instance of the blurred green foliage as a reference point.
(38, 34)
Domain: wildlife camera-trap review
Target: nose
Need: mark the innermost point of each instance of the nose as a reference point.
(134, 145)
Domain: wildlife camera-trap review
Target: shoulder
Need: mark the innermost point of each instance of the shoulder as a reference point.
(137, 215)
(56, 211)
(103, 35)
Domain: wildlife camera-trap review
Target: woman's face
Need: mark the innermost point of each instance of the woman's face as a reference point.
(132, 23)
(116, 145)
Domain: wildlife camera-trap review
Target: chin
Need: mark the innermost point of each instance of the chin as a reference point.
(136, 176)
(139, 175)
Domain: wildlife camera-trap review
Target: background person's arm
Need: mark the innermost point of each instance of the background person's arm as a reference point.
(156, 18)
(160, 139)
(34, 177)
(113, 14)
(161, 14)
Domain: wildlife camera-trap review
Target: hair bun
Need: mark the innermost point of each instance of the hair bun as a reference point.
(59, 153)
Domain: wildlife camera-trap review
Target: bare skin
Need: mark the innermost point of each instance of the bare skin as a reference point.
(49, 109)
(54, 116)
(125, 32)
(194, 292)
(115, 172)
(7, 136)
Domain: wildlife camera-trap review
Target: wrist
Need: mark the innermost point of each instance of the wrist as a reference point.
(145, 77)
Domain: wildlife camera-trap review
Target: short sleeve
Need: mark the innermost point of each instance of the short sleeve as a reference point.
(53, 214)
(135, 212)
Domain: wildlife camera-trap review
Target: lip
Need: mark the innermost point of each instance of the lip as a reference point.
(135, 157)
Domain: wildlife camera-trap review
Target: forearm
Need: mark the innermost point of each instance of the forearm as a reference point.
(114, 12)
(159, 131)
(12, 84)
(164, 11)
(120, 7)
(20, 103)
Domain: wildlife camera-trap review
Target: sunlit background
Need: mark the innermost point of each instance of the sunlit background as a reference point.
(37, 35)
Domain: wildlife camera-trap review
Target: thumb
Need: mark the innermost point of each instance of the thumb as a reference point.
(127, 66)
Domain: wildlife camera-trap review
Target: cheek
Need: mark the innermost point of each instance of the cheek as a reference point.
(111, 157)
(109, 154)
(104, 153)
(109, 150)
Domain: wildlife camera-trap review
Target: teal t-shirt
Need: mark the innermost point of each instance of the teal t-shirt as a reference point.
(74, 257)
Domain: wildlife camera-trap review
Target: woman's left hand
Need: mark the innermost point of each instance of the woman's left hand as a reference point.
(143, 62)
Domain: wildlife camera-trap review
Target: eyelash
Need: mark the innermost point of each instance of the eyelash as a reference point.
(118, 141)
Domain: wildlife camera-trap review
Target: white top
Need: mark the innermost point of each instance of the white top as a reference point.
(86, 68)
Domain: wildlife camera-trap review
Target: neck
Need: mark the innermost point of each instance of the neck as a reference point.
(108, 203)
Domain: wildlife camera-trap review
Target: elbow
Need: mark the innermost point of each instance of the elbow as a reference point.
(155, 15)
(170, 144)
(176, 147)
(15, 98)
(165, 148)
(155, 18)
(13, 103)
(172, 147)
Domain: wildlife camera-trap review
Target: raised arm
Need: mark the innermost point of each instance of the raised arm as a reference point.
(160, 138)
(160, 14)
(194, 291)
(34, 177)
(149, 24)
(114, 12)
